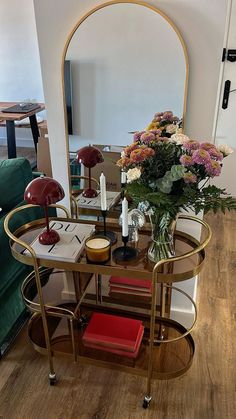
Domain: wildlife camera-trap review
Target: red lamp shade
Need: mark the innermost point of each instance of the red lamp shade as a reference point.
(89, 156)
(45, 191)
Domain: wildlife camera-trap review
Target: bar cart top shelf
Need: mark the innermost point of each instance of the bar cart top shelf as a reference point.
(139, 268)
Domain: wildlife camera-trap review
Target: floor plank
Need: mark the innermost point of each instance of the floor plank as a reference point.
(206, 391)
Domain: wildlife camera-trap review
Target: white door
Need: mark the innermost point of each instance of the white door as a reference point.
(224, 131)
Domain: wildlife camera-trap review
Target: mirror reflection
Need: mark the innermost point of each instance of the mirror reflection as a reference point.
(124, 63)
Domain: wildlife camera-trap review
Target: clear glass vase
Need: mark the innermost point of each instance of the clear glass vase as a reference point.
(162, 245)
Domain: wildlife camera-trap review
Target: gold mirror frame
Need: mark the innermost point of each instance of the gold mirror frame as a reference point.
(81, 20)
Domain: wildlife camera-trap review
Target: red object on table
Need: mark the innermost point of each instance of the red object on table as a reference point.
(114, 333)
(130, 284)
(120, 291)
(44, 191)
(121, 352)
(89, 156)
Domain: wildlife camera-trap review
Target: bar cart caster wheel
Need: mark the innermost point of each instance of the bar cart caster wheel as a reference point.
(52, 379)
(146, 402)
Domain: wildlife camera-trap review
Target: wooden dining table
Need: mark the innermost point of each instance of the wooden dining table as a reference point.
(8, 119)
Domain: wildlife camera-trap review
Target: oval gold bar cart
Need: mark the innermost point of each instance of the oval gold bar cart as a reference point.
(160, 330)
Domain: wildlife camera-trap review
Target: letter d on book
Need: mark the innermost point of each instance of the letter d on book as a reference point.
(56, 226)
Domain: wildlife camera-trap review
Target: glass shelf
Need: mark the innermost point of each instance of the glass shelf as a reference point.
(139, 268)
(170, 360)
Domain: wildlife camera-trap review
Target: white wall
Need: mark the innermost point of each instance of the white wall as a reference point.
(20, 74)
(225, 127)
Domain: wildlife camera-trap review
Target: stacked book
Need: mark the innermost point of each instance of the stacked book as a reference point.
(119, 335)
(71, 243)
(131, 286)
(95, 203)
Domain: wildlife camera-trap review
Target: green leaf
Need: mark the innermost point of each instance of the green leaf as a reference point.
(165, 183)
(177, 172)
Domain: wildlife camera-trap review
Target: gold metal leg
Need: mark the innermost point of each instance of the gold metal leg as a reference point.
(163, 298)
(76, 279)
(148, 397)
(71, 328)
(52, 375)
(168, 298)
(162, 312)
(98, 285)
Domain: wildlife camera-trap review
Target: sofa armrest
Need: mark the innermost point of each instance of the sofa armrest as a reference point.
(15, 175)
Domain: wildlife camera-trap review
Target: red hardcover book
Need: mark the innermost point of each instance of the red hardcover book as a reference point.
(114, 331)
(129, 291)
(131, 283)
(119, 351)
(104, 344)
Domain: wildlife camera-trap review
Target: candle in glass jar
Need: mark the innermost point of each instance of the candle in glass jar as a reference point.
(103, 192)
(98, 249)
(125, 218)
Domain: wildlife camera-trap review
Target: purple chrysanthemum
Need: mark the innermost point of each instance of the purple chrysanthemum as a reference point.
(207, 146)
(191, 145)
(137, 135)
(156, 132)
(201, 156)
(167, 116)
(186, 160)
(213, 168)
(216, 154)
(157, 118)
(147, 137)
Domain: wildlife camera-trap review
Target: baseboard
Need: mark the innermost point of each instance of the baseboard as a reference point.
(67, 295)
(20, 142)
(185, 318)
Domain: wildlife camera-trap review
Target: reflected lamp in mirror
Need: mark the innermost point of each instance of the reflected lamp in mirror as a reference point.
(89, 156)
(45, 191)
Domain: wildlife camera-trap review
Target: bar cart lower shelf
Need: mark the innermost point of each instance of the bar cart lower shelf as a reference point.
(170, 360)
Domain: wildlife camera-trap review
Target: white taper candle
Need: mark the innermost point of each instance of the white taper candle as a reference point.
(123, 177)
(125, 217)
(103, 192)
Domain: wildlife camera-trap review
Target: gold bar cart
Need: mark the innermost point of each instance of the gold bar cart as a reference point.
(160, 330)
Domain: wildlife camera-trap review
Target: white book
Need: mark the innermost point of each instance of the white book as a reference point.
(95, 203)
(71, 244)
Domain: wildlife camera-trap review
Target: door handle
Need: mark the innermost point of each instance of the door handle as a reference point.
(231, 55)
(226, 94)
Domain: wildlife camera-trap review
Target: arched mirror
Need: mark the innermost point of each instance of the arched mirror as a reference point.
(123, 62)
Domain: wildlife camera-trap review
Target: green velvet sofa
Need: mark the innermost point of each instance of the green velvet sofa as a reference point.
(15, 174)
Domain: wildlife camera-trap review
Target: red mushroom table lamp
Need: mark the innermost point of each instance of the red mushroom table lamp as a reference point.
(89, 156)
(44, 191)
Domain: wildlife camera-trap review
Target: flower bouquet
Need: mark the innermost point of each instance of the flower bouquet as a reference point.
(167, 172)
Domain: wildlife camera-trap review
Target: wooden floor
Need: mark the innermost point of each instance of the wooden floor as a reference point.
(206, 391)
